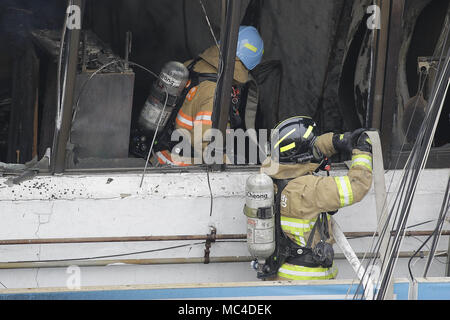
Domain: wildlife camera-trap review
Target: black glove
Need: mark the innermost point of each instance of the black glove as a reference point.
(364, 143)
(347, 141)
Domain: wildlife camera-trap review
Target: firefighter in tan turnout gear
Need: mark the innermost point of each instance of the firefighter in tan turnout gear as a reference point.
(196, 111)
(306, 201)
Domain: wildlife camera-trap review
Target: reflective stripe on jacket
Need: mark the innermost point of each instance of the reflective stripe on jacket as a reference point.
(297, 228)
(196, 111)
(164, 158)
(307, 196)
(293, 272)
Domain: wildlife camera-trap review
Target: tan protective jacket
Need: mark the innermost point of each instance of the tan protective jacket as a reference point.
(196, 112)
(306, 196)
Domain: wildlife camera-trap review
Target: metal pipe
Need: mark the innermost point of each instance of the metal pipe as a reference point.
(115, 262)
(405, 254)
(162, 261)
(122, 239)
(181, 238)
(407, 234)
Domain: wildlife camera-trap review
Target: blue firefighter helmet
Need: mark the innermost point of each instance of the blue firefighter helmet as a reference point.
(250, 47)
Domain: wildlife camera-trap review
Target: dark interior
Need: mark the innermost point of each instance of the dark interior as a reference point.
(311, 53)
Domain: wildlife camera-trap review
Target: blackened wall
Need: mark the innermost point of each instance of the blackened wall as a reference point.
(302, 34)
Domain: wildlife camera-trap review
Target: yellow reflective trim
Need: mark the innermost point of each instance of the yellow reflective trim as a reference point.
(251, 47)
(359, 163)
(349, 188)
(298, 224)
(293, 267)
(293, 277)
(365, 156)
(298, 235)
(302, 221)
(282, 139)
(294, 230)
(341, 192)
(341, 137)
(297, 228)
(362, 160)
(308, 132)
(288, 147)
(300, 241)
(294, 272)
(345, 190)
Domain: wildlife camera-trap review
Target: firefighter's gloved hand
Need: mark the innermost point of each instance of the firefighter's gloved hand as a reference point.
(364, 143)
(345, 143)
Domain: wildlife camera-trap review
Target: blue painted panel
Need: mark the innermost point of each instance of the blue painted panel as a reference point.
(426, 291)
(191, 293)
(433, 291)
(401, 290)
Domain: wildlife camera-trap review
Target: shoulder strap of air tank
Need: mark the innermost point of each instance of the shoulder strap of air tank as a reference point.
(193, 82)
(193, 62)
(274, 262)
(281, 185)
(282, 240)
(197, 77)
(164, 138)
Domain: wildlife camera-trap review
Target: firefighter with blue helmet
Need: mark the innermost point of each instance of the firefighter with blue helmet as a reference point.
(250, 47)
(197, 108)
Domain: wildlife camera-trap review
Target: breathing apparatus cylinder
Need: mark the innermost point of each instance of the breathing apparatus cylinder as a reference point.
(259, 201)
(169, 86)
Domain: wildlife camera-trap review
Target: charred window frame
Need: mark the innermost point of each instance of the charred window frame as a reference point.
(62, 130)
(229, 34)
(387, 100)
(383, 112)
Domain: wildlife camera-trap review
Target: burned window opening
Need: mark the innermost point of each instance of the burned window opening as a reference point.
(155, 43)
(424, 43)
(425, 24)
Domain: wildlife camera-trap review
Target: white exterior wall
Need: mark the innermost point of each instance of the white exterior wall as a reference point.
(168, 204)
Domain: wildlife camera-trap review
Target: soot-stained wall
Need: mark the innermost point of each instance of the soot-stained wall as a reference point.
(321, 44)
(309, 37)
(162, 31)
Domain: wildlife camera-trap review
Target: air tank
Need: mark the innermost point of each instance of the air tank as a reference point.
(172, 80)
(259, 200)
